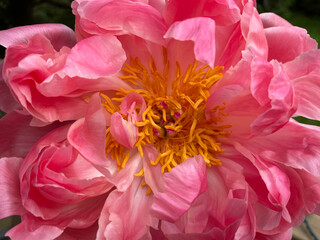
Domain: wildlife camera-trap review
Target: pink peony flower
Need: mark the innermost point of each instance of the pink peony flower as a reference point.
(188, 131)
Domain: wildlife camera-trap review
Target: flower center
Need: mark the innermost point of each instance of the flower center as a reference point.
(174, 120)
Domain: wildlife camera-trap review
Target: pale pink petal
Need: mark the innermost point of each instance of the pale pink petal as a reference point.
(126, 214)
(181, 189)
(10, 201)
(273, 20)
(199, 30)
(222, 12)
(17, 136)
(295, 145)
(91, 132)
(286, 43)
(120, 17)
(59, 35)
(95, 57)
(123, 179)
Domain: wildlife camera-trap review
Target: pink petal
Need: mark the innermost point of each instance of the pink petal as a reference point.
(280, 93)
(294, 145)
(7, 101)
(181, 189)
(304, 73)
(126, 214)
(120, 17)
(60, 35)
(222, 12)
(199, 30)
(252, 30)
(286, 43)
(123, 179)
(125, 132)
(273, 20)
(131, 98)
(90, 132)
(152, 174)
(95, 57)
(17, 136)
(23, 230)
(10, 202)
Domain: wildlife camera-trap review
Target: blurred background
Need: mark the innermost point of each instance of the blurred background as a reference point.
(304, 14)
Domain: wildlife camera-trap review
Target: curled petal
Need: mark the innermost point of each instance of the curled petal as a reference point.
(273, 20)
(60, 35)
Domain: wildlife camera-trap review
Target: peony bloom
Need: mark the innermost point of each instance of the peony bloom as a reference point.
(188, 130)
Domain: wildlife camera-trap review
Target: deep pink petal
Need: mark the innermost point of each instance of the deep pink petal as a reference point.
(10, 202)
(273, 20)
(286, 43)
(181, 189)
(95, 57)
(79, 234)
(60, 35)
(120, 17)
(199, 30)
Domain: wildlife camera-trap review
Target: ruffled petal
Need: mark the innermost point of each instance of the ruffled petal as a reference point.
(201, 31)
(183, 184)
(119, 17)
(304, 73)
(59, 35)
